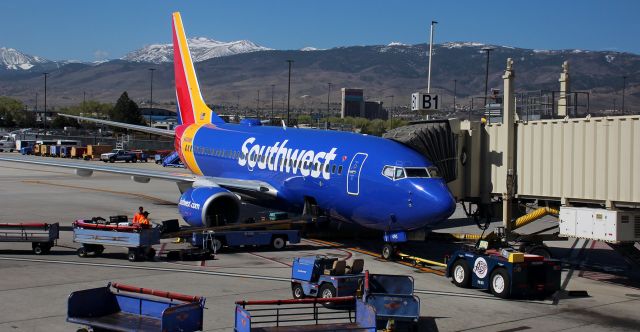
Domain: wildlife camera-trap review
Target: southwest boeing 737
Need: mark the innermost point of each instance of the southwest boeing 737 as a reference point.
(371, 181)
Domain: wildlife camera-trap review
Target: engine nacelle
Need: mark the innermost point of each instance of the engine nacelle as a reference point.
(209, 206)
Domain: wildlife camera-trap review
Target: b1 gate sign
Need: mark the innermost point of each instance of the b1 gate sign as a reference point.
(424, 102)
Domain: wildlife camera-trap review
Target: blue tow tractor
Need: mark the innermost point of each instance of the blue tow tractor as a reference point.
(94, 235)
(506, 273)
(321, 276)
(118, 307)
(214, 241)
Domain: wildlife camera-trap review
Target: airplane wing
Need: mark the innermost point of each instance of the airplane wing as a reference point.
(247, 188)
(145, 129)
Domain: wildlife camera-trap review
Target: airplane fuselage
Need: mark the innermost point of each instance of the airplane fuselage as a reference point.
(352, 177)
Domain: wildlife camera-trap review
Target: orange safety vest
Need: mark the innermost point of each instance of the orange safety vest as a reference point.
(144, 222)
(137, 217)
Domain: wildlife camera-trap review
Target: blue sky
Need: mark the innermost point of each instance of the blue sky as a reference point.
(88, 30)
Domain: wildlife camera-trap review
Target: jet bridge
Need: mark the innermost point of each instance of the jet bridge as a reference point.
(589, 162)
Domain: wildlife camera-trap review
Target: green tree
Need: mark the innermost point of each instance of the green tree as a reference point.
(376, 127)
(304, 119)
(126, 110)
(9, 110)
(61, 122)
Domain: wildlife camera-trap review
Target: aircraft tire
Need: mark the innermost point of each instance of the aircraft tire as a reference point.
(388, 251)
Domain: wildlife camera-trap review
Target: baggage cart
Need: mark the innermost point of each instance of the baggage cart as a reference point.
(94, 151)
(119, 307)
(44, 150)
(65, 151)
(54, 151)
(94, 237)
(214, 241)
(305, 315)
(27, 150)
(42, 236)
(36, 149)
(78, 151)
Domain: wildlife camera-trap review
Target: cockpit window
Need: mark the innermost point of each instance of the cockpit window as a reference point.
(397, 173)
(420, 172)
(388, 171)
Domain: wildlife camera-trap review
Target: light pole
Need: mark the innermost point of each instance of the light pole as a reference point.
(624, 86)
(433, 24)
(486, 75)
(329, 99)
(45, 103)
(455, 88)
(150, 97)
(272, 89)
(289, 91)
(390, 111)
(258, 106)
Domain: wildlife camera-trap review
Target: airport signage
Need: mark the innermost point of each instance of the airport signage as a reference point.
(424, 102)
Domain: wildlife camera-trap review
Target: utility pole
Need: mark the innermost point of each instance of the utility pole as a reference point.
(151, 97)
(486, 75)
(624, 86)
(329, 99)
(272, 89)
(258, 106)
(45, 103)
(455, 90)
(433, 24)
(289, 91)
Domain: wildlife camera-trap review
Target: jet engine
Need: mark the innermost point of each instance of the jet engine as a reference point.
(209, 206)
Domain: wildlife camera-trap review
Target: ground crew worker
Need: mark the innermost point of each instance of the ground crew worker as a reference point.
(138, 215)
(144, 221)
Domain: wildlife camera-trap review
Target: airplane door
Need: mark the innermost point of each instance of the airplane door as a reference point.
(353, 175)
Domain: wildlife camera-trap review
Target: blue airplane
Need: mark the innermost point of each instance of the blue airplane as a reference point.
(366, 180)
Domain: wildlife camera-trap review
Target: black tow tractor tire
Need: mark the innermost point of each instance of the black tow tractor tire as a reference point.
(278, 243)
(500, 283)
(297, 291)
(98, 250)
(327, 291)
(461, 274)
(388, 252)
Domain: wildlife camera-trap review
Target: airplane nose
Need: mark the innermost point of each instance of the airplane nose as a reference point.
(434, 200)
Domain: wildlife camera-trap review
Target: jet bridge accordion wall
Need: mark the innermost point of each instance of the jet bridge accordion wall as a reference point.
(594, 159)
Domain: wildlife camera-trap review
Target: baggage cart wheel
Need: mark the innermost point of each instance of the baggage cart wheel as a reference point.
(98, 250)
(461, 273)
(327, 291)
(298, 292)
(112, 160)
(134, 160)
(500, 283)
(82, 252)
(388, 251)
(278, 243)
(133, 255)
(151, 254)
(37, 249)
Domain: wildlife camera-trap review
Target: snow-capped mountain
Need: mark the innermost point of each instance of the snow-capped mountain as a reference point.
(201, 49)
(14, 60)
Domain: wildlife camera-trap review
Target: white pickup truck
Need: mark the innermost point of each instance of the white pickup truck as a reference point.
(7, 144)
(119, 155)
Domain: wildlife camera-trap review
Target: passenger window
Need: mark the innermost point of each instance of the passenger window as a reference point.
(399, 173)
(340, 170)
(326, 168)
(388, 172)
(333, 169)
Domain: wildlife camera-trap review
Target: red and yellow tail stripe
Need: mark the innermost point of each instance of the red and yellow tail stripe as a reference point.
(186, 148)
(191, 105)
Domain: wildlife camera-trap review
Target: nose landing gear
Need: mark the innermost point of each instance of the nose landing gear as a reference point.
(391, 243)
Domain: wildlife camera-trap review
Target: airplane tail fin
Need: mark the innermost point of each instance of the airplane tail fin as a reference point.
(191, 105)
